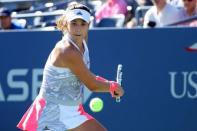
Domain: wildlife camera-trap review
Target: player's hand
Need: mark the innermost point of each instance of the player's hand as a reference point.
(119, 92)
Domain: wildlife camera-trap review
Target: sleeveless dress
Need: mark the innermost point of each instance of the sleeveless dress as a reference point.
(58, 106)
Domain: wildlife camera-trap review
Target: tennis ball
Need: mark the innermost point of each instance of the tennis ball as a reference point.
(96, 104)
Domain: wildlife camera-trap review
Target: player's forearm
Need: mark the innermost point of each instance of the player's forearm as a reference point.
(101, 86)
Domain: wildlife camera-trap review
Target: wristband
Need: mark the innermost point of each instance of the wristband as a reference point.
(99, 78)
(113, 86)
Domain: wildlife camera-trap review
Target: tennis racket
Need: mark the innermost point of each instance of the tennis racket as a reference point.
(119, 78)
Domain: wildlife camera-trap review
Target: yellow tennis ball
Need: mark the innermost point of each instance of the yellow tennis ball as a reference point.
(96, 104)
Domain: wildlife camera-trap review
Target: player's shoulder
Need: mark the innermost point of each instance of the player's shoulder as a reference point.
(68, 51)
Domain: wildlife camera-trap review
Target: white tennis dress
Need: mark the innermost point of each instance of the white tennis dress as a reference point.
(58, 106)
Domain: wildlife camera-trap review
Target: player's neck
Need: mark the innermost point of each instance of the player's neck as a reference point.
(77, 41)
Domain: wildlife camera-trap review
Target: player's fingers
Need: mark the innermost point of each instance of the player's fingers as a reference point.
(118, 93)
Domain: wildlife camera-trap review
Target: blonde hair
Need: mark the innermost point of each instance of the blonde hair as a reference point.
(61, 21)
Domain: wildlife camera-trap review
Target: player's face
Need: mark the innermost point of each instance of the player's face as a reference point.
(78, 28)
(190, 4)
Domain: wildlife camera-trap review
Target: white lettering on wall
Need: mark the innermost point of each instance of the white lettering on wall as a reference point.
(188, 81)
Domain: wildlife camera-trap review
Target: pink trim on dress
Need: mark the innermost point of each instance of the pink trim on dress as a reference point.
(29, 120)
(82, 112)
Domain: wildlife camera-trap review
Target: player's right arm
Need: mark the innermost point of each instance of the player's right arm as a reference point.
(71, 58)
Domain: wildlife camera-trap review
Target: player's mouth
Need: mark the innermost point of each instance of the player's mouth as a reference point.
(78, 35)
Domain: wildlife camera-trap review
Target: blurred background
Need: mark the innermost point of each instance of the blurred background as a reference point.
(31, 14)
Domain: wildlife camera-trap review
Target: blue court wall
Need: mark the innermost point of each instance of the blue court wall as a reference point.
(159, 76)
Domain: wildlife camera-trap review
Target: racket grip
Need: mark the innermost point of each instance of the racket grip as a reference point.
(118, 99)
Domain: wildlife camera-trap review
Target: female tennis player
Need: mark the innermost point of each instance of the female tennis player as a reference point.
(58, 106)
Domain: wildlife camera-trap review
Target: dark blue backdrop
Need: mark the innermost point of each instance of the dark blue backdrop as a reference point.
(159, 76)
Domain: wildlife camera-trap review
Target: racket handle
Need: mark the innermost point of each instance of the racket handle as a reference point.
(118, 99)
(119, 78)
